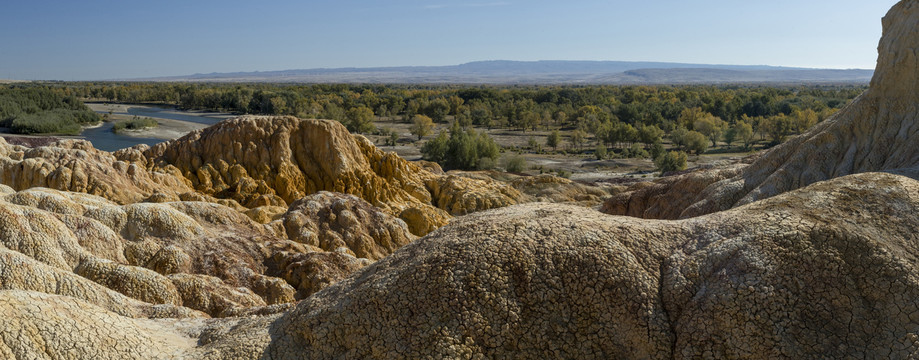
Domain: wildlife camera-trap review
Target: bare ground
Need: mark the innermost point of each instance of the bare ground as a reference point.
(581, 166)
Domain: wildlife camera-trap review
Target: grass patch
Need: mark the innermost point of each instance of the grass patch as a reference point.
(135, 124)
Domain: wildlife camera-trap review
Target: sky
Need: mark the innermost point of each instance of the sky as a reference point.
(99, 40)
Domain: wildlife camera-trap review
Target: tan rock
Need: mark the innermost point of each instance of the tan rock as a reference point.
(74, 165)
(232, 160)
(332, 220)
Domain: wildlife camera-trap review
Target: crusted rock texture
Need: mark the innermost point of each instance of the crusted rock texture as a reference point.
(825, 270)
(876, 132)
(74, 165)
(274, 161)
(185, 255)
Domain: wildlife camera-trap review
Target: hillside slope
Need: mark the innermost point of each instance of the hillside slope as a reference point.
(876, 132)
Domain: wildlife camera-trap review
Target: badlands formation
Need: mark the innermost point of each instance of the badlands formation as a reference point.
(280, 238)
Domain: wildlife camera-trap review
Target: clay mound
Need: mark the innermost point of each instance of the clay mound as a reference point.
(180, 256)
(876, 132)
(824, 271)
(262, 161)
(74, 165)
(331, 220)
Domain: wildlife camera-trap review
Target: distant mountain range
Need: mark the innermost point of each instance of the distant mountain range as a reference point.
(545, 72)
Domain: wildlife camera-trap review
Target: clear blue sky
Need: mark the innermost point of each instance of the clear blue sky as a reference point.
(79, 40)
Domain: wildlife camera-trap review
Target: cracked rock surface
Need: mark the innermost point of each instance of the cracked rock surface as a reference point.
(823, 271)
(814, 257)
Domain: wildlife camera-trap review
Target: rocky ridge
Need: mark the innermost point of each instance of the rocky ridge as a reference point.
(876, 132)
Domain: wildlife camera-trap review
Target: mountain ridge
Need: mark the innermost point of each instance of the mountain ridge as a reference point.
(541, 72)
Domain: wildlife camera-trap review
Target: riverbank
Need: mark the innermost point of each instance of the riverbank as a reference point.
(173, 123)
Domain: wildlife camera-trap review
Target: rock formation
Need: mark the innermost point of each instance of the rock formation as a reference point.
(196, 255)
(824, 271)
(274, 161)
(876, 132)
(794, 267)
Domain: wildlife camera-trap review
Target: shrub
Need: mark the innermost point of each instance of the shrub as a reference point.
(359, 120)
(696, 142)
(56, 121)
(600, 153)
(421, 126)
(671, 161)
(464, 149)
(657, 149)
(636, 151)
(515, 163)
(135, 124)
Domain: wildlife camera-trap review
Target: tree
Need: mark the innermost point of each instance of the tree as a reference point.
(730, 135)
(528, 119)
(671, 161)
(359, 120)
(456, 103)
(436, 149)
(553, 140)
(622, 132)
(777, 127)
(438, 109)
(689, 116)
(649, 134)
(600, 152)
(696, 142)
(710, 126)
(657, 149)
(421, 126)
(803, 120)
(464, 149)
(577, 139)
(744, 132)
(481, 116)
(515, 163)
(678, 137)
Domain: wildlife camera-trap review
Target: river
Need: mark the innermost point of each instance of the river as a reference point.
(173, 124)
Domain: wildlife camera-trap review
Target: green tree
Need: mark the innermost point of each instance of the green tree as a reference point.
(803, 120)
(730, 135)
(671, 161)
(777, 127)
(577, 139)
(481, 116)
(421, 126)
(436, 149)
(710, 126)
(696, 142)
(744, 132)
(456, 104)
(600, 152)
(678, 137)
(657, 149)
(649, 134)
(553, 140)
(689, 116)
(359, 120)
(464, 149)
(515, 163)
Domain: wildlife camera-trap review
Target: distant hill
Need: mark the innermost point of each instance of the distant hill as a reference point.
(544, 72)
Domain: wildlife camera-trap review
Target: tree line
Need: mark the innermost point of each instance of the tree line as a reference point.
(622, 120)
(41, 110)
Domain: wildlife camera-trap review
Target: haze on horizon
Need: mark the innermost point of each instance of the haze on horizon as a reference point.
(96, 40)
